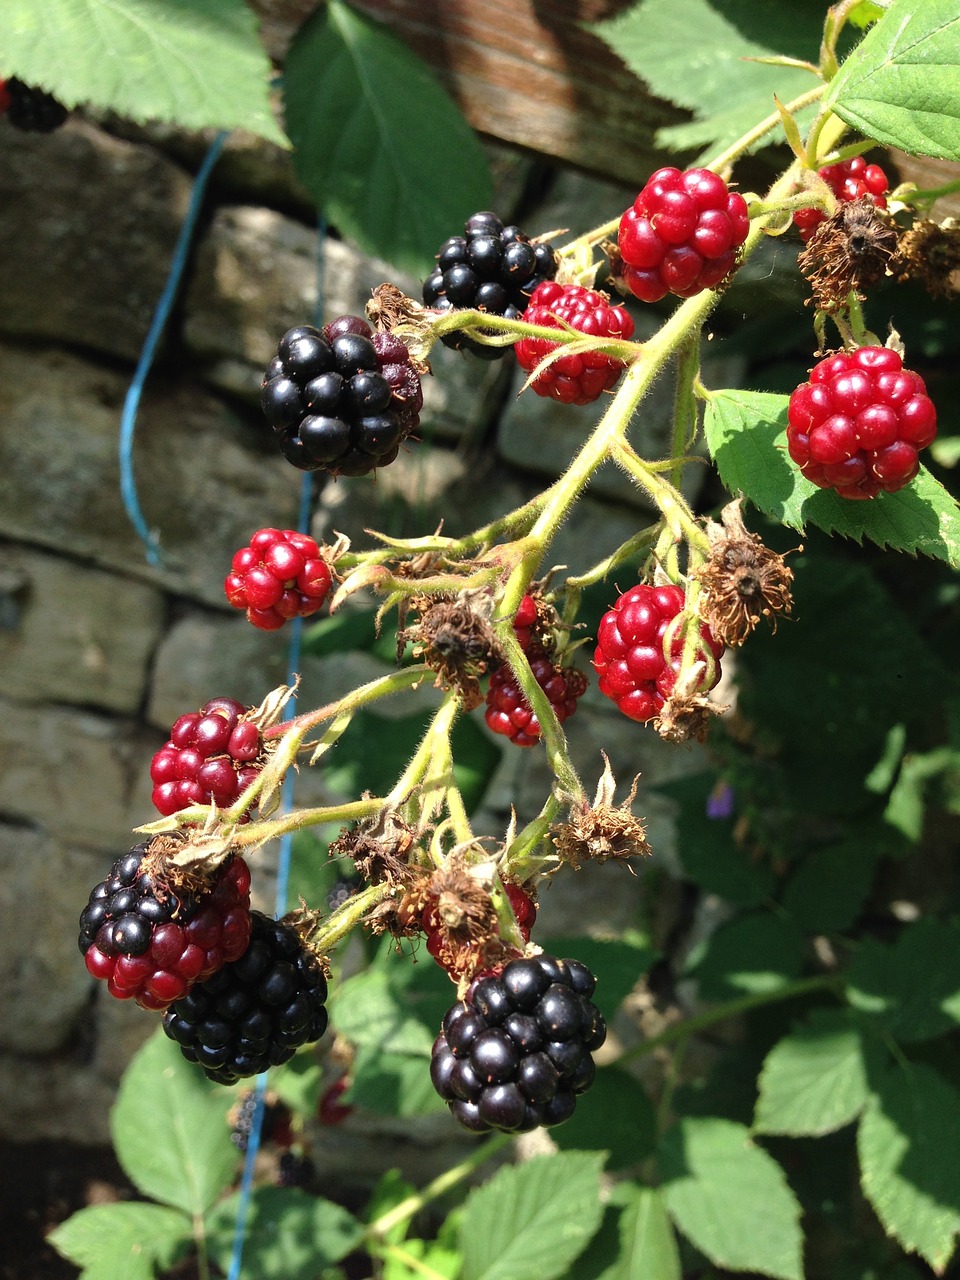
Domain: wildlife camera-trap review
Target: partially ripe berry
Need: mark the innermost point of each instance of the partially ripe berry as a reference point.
(508, 711)
(859, 423)
(848, 180)
(572, 379)
(682, 234)
(280, 575)
(637, 663)
(212, 755)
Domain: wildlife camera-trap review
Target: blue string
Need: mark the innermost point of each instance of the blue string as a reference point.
(285, 852)
(128, 419)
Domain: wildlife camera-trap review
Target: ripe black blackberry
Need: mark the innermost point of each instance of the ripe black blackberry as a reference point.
(491, 268)
(516, 1052)
(31, 109)
(254, 1013)
(342, 398)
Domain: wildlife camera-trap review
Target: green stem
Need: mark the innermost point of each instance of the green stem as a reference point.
(766, 125)
(410, 1261)
(444, 1182)
(346, 918)
(382, 687)
(732, 1009)
(254, 834)
(200, 1240)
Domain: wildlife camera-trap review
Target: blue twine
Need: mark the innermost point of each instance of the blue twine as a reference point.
(128, 419)
(285, 852)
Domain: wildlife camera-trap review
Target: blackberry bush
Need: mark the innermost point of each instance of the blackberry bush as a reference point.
(342, 398)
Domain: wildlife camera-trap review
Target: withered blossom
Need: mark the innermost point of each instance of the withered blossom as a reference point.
(847, 253)
(743, 580)
(601, 831)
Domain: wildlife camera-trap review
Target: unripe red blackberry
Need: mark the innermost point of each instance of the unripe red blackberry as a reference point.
(681, 234)
(636, 663)
(508, 711)
(150, 941)
(279, 576)
(572, 379)
(212, 755)
(30, 109)
(848, 180)
(490, 268)
(516, 1051)
(256, 1012)
(342, 398)
(860, 422)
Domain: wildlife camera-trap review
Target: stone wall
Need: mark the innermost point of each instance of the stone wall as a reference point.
(99, 651)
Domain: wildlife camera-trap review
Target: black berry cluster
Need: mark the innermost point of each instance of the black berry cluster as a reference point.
(514, 1054)
(491, 268)
(30, 109)
(150, 942)
(342, 398)
(254, 1013)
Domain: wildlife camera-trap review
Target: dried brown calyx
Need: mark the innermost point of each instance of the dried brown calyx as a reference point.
(454, 907)
(389, 308)
(848, 252)
(454, 637)
(930, 254)
(687, 713)
(743, 581)
(384, 849)
(601, 831)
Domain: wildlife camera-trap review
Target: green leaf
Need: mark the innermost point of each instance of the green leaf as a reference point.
(730, 1198)
(901, 85)
(907, 1142)
(130, 1240)
(911, 988)
(196, 63)
(381, 147)
(531, 1220)
(648, 1247)
(693, 53)
(709, 854)
(815, 1080)
(746, 436)
(827, 891)
(618, 1118)
(393, 1084)
(749, 955)
(169, 1128)
(289, 1235)
(434, 1260)
(299, 1083)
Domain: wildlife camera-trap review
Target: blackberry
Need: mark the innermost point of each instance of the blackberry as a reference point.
(342, 398)
(31, 109)
(211, 755)
(491, 268)
(516, 1052)
(508, 711)
(254, 1013)
(280, 575)
(150, 941)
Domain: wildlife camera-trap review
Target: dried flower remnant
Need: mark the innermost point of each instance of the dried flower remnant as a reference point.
(601, 831)
(456, 641)
(686, 714)
(930, 254)
(849, 251)
(743, 581)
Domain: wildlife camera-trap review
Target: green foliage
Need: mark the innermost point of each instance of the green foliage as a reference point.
(902, 86)
(196, 63)
(648, 1247)
(746, 435)
(169, 1130)
(618, 1119)
(373, 131)
(751, 954)
(912, 987)
(907, 1141)
(730, 1198)
(129, 1240)
(531, 1220)
(289, 1235)
(696, 53)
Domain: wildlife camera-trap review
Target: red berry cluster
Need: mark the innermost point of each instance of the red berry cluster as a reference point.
(508, 711)
(151, 945)
(858, 425)
(279, 576)
(572, 379)
(212, 755)
(631, 655)
(681, 234)
(848, 180)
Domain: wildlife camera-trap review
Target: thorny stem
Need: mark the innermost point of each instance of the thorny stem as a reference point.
(382, 687)
(767, 125)
(401, 1213)
(346, 918)
(733, 1008)
(258, 833)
